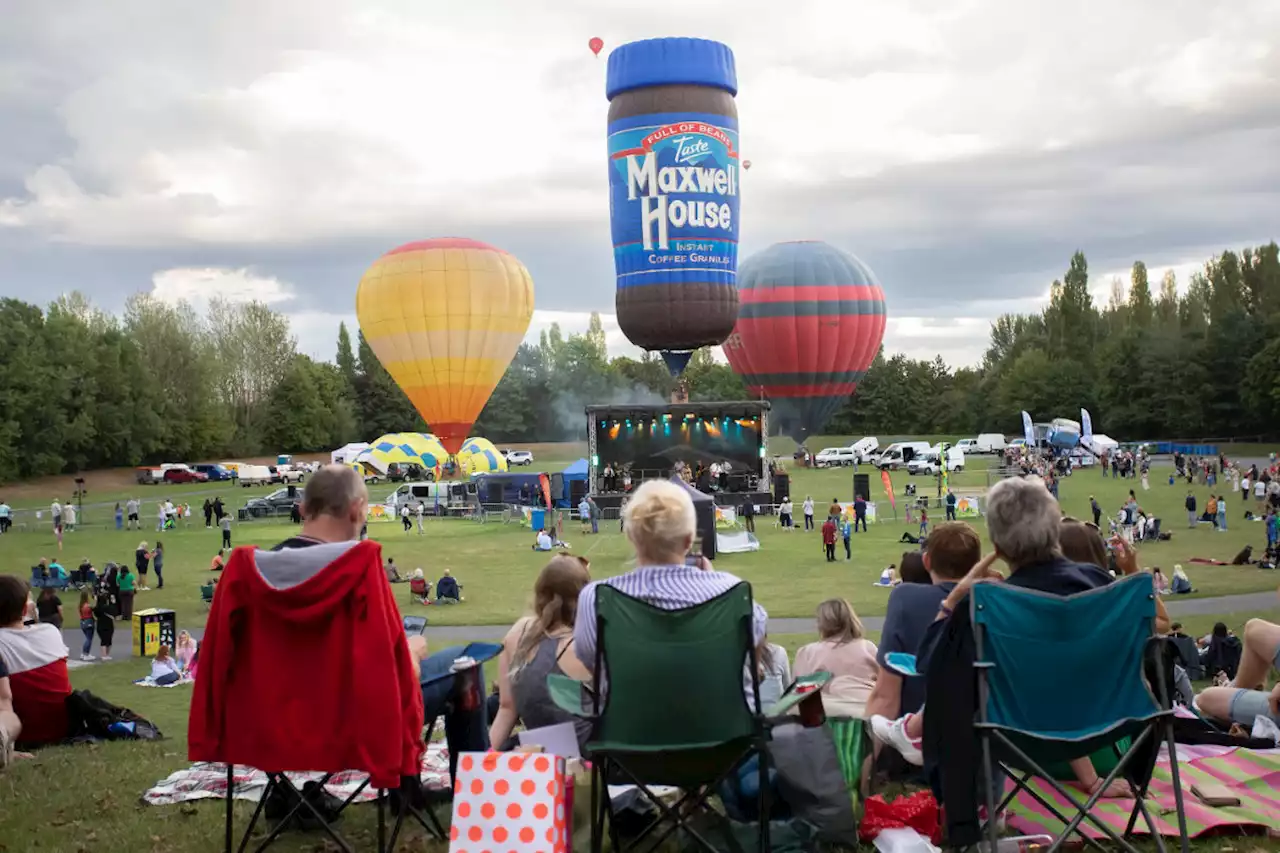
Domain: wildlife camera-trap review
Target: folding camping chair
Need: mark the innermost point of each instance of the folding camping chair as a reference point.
(674, 713)
(1047, 688)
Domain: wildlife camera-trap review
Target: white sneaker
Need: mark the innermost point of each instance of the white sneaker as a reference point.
(894, 733)
(87, 657)
(106, 658)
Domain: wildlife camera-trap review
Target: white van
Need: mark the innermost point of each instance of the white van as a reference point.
(255, 475)
(432, 494)
(968, 445)
(831, 457)
(898, 454)
(991, 442)
(928, 463)
(867, 448)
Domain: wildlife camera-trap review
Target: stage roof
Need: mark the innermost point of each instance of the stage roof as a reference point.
(732, 409)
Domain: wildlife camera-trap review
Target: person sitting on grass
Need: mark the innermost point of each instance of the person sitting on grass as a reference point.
(419, 588)
(164, 668)
(844, 652)
(954, 547)
(1245, 696)
(218, 561)
(537, 646)
(186, 654)
(543, 541)
(447, 589)
(33, 661)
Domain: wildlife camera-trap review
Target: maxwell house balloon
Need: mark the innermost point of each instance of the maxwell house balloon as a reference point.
(673, 193)
(445, 318)
(810, 324)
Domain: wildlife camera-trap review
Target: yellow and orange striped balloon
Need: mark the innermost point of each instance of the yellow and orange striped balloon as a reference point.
(445, 318)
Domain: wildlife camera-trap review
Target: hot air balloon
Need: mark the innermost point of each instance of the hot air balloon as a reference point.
(479, 456)
(746, 164)
(445, 318)
(810, 323)
(673, 193)
(596, 44)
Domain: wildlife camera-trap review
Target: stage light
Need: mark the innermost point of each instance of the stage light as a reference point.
(762, 453)
(595, 459)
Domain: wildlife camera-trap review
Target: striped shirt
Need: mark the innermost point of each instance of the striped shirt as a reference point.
(666, 587)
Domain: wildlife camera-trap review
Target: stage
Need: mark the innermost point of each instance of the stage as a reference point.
(610, 503)
(716, 443)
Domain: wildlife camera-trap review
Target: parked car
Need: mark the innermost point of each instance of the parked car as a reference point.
(183, 474)
(285, 474)
(830, 457)
(399, 472)
(150, 476)
(213, 471)
(279, 502)
(968, 445)
(991, 442)
(518, 457)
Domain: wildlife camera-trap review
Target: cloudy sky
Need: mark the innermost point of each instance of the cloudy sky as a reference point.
(273, 150)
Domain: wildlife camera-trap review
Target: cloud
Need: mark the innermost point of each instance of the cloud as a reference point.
(964, 151)
(200, 285)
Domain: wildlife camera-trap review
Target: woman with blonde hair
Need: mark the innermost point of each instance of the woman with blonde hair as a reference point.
(661, 524)
(538, 646)
(844, 652)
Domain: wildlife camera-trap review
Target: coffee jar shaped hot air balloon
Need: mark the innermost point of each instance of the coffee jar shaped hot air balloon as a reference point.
(673, 193)
(445, 317)
(810, 323)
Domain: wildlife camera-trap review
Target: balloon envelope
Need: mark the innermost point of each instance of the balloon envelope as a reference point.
(596, 45)
(479, 456)
(416, 448)
(810, 322)
(445, 318)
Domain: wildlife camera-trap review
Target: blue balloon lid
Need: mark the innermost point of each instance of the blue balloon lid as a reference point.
(671, 62)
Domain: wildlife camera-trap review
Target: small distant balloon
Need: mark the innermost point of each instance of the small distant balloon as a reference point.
(746, 164)
(596, 45)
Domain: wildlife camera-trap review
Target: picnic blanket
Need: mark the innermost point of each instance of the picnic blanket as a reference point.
(1253, 775)
(148, 682)
(202, 781)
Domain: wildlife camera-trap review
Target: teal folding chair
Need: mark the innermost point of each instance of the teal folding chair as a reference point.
(1063, 677)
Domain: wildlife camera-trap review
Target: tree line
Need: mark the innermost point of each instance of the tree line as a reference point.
(81, 388)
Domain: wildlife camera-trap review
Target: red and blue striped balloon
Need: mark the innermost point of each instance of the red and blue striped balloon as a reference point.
(810, 322)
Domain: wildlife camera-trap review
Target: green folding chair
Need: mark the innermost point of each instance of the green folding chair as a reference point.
(673, 712)
(1063, 677)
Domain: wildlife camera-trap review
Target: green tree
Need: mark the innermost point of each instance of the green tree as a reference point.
(1140, 304)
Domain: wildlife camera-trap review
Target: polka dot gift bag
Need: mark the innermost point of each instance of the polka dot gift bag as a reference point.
(510, 801)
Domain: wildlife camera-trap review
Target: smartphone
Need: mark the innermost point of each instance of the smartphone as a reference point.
(415, 625)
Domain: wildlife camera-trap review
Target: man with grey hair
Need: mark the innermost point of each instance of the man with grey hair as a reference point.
(334, 505)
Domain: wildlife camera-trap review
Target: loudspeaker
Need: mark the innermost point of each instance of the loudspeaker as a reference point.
(781, 487)
(862, 486)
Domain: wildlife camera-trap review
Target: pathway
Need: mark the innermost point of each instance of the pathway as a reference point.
(1221, 604)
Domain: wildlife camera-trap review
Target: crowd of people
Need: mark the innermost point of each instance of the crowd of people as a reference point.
(1039, 547)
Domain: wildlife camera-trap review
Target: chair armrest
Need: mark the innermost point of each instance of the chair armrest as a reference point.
(792, 697)
(566, 692)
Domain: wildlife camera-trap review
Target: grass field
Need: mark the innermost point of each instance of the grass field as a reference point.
(497, 566)
(86, 799)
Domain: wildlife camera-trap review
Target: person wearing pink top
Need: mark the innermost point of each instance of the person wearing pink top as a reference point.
(844, 652)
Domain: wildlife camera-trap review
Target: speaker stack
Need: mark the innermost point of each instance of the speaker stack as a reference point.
(862, 486)
(781, 487)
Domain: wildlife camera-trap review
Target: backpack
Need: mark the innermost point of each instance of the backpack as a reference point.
(92, 718)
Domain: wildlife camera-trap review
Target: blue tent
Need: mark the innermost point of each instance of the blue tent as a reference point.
(576, 472)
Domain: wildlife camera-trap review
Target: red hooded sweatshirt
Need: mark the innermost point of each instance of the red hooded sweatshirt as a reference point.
(305, 667)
